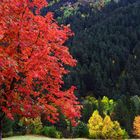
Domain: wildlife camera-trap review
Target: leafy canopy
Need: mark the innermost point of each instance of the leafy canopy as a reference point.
(32, 59)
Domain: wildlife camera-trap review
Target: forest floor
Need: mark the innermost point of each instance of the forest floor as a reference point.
(32, 137)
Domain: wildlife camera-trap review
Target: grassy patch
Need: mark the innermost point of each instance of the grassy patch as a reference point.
(35, 137)
(27, 138)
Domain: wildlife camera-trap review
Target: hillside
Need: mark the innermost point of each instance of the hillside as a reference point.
(106, 45)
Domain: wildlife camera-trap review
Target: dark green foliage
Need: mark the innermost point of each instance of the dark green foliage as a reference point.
(7, 127)
(81, 131)
(106, 45)
(50, 131)
(125, 113)
(89, 105)
(61, 125)
(36, 131)
(136, 102)
(18, 128)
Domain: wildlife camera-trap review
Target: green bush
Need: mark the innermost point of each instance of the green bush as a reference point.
(36, 130)
(31, 125)
(89, 105)
(105, 106)
(36, 126)
(81, 130)
(8, 134)
(136, 100)
(124, 113)
(18, 129)
(7, 127)
(50, 131)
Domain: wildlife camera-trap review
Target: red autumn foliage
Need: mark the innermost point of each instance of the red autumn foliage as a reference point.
(32, 59)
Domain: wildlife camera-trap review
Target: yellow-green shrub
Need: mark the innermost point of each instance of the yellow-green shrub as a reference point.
(105, 128)
(81, 130)
(95, 125)
(32, 125)
(51, 131)
(105, 106)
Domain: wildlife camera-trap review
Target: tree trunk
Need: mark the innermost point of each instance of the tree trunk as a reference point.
(1, 118)
(0, 135)
(0, 130)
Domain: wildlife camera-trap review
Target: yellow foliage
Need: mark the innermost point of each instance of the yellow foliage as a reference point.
(31, 124)
(95, 125)
(136, 126)
(105, 128)
(30, 121)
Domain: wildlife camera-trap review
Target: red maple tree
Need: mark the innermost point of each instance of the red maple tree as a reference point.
(32, 59)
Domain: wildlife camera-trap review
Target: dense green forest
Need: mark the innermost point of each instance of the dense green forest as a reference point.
(106, 45)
